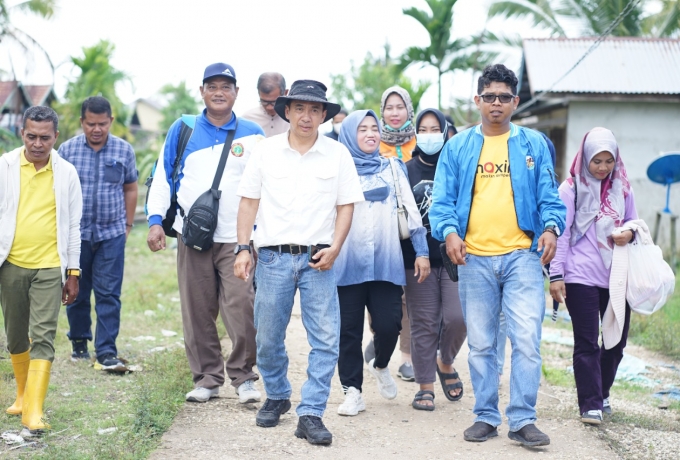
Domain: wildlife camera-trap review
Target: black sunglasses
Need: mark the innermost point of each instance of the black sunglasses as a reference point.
(266, 103)
(489, 98)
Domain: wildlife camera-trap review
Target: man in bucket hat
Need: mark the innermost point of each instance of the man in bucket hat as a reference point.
(304, 186)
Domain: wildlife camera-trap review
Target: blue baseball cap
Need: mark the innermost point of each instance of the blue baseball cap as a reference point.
(219, 69)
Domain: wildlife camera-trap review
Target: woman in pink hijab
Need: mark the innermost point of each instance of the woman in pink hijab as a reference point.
(599, 199)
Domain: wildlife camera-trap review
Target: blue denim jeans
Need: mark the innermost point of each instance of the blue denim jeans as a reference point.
(102, 271)
(500, 343)
(278, 276)
(512, 282)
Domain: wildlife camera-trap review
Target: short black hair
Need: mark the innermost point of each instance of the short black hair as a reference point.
(499, 73)
(342, 112)
(41, 113)
(268, 81)
(95, 104)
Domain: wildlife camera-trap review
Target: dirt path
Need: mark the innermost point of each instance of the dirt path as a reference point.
(225, 429)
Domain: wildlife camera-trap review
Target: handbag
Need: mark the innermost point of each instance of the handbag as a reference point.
(650, 279)
(402, 215)
(201, 220)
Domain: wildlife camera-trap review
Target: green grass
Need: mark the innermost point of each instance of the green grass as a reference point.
(661, 330)
(558, 377)
(140, 405)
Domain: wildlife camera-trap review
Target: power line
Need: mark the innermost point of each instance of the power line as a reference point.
(625, 12)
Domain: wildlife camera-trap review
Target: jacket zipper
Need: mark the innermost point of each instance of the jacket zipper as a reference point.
(511, 187)
(472, 189)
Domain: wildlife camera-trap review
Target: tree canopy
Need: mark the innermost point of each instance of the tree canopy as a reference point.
(362, 88)
(97, 77)
(180, 101)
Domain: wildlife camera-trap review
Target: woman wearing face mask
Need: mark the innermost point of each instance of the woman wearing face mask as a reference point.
(434, 307)
(337, 124)
(369, 270)
(599, 199)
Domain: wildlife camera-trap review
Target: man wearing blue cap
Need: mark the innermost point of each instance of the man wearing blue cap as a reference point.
(187, 165)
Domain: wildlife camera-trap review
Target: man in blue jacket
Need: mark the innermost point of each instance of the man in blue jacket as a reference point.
(495, 203)
(207, 285)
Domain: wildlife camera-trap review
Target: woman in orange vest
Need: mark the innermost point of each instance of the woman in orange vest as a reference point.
(399, 134)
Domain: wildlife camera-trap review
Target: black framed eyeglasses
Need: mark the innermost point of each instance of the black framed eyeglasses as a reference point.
(489, 98)
(264, 103)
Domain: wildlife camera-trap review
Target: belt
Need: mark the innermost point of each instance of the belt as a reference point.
(293, 249)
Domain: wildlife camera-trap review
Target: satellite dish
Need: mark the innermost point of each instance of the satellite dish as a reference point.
(665, 170)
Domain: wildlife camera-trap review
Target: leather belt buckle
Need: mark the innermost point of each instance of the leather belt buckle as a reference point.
(292, 250)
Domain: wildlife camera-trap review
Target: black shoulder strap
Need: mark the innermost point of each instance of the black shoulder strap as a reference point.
(223, 158)
(182, 142)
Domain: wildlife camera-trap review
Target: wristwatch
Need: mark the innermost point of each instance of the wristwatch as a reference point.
(552, 229)
(241, 247)
(73, 272)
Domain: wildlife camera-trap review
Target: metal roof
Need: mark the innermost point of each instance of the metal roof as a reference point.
(619, 65)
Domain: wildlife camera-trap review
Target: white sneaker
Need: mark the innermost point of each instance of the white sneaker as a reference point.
(202, 395)
(247, 393)
(606, 406)
(386, 384)
(592, 417)
(354, 402)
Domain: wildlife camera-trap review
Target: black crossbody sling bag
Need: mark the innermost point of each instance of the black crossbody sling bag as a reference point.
(201, 220)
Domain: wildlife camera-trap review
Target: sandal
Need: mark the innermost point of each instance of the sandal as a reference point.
(423, 395)
(451, 386)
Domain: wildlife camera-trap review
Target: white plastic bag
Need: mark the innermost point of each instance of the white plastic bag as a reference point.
(650, 279)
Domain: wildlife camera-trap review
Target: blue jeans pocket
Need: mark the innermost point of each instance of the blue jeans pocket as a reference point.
(113, 172)
(266, 257)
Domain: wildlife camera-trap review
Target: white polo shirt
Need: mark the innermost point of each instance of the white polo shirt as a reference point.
(298, 193)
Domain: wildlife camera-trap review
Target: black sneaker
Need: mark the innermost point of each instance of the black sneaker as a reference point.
(110, 363)
(480, 432)
(313, 430)
(529, 436)
(80, 352)
(270, 412)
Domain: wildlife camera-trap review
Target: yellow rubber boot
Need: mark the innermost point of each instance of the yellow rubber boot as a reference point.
(20, 364)
(34, 396)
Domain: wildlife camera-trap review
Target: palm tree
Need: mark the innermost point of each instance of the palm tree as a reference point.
(97, 78)
(665, 23)
(370, 79)
(593, 17)
(443, 53)
(8, 32)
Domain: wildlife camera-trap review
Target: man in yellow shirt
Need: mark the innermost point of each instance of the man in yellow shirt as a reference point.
(495, 203)
(41, 205)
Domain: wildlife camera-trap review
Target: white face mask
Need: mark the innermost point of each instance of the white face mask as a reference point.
(430, 143)
(336, 127)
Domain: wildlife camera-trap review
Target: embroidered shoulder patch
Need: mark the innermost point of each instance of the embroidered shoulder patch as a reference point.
(237, 150)
(530, 162)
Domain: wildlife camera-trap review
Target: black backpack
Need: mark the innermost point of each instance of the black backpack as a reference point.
(201, 220)
(169, 219)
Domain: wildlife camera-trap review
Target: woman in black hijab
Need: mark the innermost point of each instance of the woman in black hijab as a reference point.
(434, 308)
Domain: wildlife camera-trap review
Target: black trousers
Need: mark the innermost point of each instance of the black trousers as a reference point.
(594, 366)
(383, 300)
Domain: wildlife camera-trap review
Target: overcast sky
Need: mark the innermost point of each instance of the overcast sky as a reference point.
(159, 42)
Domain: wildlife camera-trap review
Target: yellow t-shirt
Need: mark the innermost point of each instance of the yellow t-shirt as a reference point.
(492, 226)
(35, 238)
